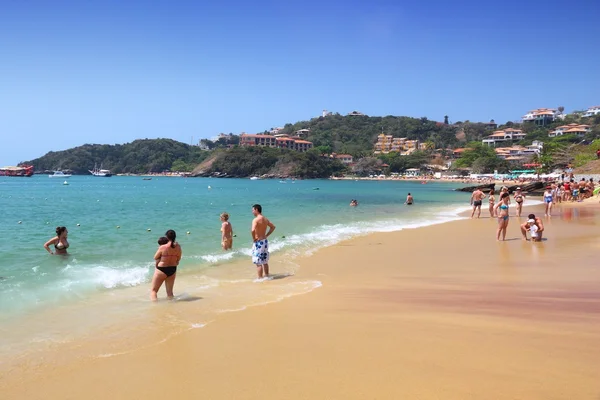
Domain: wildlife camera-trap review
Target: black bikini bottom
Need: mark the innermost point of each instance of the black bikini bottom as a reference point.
(168, 271)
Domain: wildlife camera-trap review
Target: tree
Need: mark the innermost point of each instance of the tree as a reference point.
(561, 109)
(323, 149)
(367, 166)
(474, 151)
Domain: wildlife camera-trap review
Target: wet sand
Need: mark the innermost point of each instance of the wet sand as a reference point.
(442, 312)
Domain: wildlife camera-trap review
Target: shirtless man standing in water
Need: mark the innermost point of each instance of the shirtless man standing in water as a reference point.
(260, 248)
(476, 200)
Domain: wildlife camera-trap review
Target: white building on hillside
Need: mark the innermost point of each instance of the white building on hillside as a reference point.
(571, 129)
(592, 111)
(506, 135)
(543, 116)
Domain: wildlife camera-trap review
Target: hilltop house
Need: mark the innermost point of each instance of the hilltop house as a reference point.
(571, 129)
(282, 142)
(346, 159)
(356, 113)
(592, 111)
(543, 116)
(302, 132)
(387, 143)
(502, 136)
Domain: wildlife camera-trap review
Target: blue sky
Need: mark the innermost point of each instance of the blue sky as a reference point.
(115, 71)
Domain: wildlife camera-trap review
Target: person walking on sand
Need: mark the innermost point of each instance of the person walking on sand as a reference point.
(476, 200)
(519, 199)
(168, 256)
(409, 200)
(260, 247)
(538, 222)
(60, 242)
(502, 211)
(226, 232)
(548, 200)
(492, 201)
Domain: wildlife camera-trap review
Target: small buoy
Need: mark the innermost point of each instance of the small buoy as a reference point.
(188, 232)
(47, 223)
(234, 235)
(78, 225)
(118, 227)
(20, 222)
(97, 200)
(65, 183)
(283, 237)
(209, 187)
(149, 229)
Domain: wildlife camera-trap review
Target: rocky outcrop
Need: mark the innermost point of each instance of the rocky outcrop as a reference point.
(531, 188)
(484, 188)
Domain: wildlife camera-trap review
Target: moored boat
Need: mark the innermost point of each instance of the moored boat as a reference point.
(101, 172)
(22, 171)
(59, 174)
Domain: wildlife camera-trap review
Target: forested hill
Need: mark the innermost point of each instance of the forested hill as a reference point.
(139, 156)
(356, 135)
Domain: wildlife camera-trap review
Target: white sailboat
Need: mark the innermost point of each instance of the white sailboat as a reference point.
(101, 172)
(59, 174)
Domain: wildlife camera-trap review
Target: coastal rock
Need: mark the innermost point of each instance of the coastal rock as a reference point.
(484, 188)
(531, 188)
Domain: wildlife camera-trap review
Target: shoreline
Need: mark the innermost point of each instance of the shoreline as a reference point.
(351, 296)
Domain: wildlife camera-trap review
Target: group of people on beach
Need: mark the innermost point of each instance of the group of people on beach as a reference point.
(500, 210)
(169, 252)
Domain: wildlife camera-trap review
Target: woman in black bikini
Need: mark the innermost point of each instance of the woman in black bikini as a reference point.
(168, 256)
(519, 198)
(60, 242)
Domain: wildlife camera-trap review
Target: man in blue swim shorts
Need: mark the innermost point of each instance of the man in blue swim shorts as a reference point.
(260, 248)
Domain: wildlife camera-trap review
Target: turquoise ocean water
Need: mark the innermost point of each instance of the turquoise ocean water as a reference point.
(102, 287)
(104, 257)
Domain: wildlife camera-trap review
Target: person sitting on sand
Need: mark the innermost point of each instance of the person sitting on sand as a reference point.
(538, 223)
(60, 242)
(476, 200)
(226, 232)
(409, 200)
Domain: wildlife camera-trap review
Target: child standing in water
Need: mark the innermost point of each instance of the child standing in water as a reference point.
(161, 240)
(226, 232)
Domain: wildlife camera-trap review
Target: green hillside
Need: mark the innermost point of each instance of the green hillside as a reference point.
(356, 135)
(139, 156)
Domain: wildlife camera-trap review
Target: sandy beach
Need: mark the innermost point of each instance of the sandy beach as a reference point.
(441, 312)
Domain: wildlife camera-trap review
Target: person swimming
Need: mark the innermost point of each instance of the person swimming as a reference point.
(60, 242)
